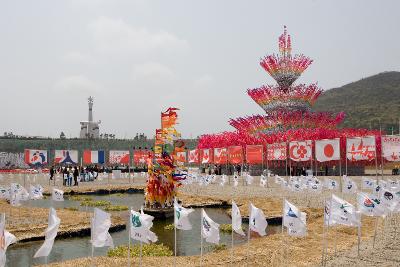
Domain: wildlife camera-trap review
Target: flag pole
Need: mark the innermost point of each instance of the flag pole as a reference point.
(248, 237)
(91, 238)
(232, 231)
(282, 237)
(129, 237)
(376, 227)
(201, 238)
(174, 235)
(359, 238)
(323, 236)
(141, 248)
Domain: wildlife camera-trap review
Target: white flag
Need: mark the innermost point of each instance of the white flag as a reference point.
(263, 180)
(342, 212)
(257, 221)
(390, 200)
(236, 219)
(36, 192)
(182, 217)
(7, 239)
(370, 205)
(349, 186)
(5, 193)
(235, 180)
(301, 231)
(209, 229)
(331, 184)
(292, 216)
(223, 180)
(249, 179)
(50, 235)
(101, 222)
(57, 195)
(140, 224)
(368, 183)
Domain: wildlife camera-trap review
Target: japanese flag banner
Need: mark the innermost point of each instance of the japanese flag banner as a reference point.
(360, 148)
(194, 156)
(326, 150)
(220, 156)
(391, 147)
(300, 150)
(276, 151)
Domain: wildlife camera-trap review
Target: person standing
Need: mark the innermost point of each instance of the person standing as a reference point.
(76, 174)
(51, 173)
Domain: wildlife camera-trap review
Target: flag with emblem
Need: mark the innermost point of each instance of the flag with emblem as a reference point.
(36, 192)
(209, 228)
(257, 221)
(292, 216)
(182, 217)
(341, 212)
(140, 224)
(370, 205)
(57, 195)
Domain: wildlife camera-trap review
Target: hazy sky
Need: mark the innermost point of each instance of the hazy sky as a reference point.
(139, 57)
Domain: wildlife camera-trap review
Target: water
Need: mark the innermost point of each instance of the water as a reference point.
(188, 242)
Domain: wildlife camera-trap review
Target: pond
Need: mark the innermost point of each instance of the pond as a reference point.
(188, 242)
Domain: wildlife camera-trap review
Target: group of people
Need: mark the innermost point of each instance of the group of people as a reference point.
(75, 173)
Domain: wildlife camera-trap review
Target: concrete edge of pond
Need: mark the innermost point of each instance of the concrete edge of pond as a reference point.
(102, 191)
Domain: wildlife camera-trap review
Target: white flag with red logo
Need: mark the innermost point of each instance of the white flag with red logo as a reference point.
(194, 156)
(300, 150)
(326, 150)
(361, 148)
(276, 151)
(205, 156)
(391, 148)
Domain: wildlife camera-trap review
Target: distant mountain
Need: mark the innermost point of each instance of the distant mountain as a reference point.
(368, 103)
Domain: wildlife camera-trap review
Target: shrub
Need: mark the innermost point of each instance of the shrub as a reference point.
(149, 250)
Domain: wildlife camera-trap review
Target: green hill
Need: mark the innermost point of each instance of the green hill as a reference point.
(368, 103)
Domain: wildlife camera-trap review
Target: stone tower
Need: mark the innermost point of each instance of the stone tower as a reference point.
(90, 128)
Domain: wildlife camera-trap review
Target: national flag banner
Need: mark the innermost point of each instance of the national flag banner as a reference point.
(101, 222)
(36, 157)
(391, 147)
(368, 183)
(206, 156)
(181, 157)
(181, 219)
(93, 157)
(194, 156)
(57, 195)
(257, 221)
(236, 219)
(119, 157)
(140, 225)
(327, 150)
(300, 150)
(235, 154)
(370, 205)
(209, 228)
(66, 157)
(361, 148)
(220, 156)
(254, 154)
(50, 234)
(277, 151)
(141, 156)
(341, 212)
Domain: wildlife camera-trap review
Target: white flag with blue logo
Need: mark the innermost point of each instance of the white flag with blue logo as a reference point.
(181, 218)
(292, 216)
(340, 211)
(57, 195)
(391, 200)
(257, 221)
(209, 228)
(36, 192)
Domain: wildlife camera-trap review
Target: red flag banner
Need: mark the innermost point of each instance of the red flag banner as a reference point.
(391, 147)
(254, 154)
(206, 156)
(181, 156)
(235, 154)
(220, 156)
(141, 156)
(194, 156)
(328, 149)
(300, 150)
(276, 151)
(360, 148)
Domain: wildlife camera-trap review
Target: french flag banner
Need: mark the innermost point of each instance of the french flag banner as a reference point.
(94, 157)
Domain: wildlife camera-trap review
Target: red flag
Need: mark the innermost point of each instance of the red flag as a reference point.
(206, 155)
(254, 154)
(194, 156)
(276, 151)
(235, 154)
(300, 150)
(220, 155)
(327, 149)
(361, 148)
